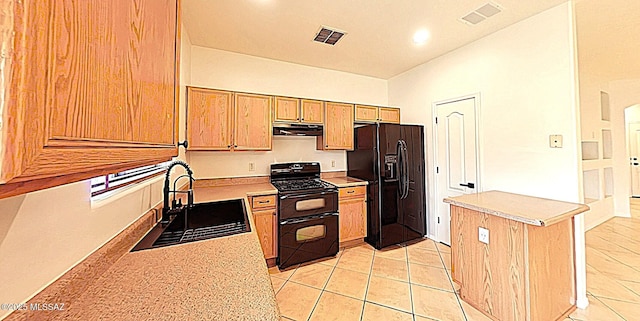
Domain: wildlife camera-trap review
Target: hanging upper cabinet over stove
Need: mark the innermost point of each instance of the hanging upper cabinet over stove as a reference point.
(90, 87)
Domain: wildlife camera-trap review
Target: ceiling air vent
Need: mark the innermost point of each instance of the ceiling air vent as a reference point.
(482, 13)
(329, 35)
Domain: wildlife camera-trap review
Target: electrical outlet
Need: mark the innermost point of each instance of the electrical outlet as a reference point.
(555, 141)
(483, 235)
(252, 166)
(333, 163)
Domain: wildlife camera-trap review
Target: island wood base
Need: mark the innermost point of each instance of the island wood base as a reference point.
(526, 272)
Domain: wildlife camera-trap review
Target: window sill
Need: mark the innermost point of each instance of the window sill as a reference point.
(112, 196)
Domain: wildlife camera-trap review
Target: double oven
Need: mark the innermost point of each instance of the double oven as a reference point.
(307, 213)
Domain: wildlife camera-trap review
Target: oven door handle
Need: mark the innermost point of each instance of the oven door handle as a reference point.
(306, 195)
(306, 219)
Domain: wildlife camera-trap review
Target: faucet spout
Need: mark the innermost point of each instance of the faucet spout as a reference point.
(166, 209)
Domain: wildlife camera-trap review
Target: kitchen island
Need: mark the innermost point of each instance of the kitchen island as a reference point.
(513, 255)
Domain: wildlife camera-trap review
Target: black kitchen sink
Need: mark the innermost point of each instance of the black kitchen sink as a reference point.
(200, 222)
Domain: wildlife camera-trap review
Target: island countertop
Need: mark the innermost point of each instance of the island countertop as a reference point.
(527, 209)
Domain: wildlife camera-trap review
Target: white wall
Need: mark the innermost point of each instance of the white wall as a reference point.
(219, 69)
(45, 233)
(525, 77)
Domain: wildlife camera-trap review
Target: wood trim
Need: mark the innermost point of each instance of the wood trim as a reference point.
(351, 243)
(78, 142)
(176, 81)
(50, 160)
(271, 262)
(27, 186)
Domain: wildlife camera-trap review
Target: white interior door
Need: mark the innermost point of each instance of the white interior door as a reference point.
(456, 158)
(634, 148)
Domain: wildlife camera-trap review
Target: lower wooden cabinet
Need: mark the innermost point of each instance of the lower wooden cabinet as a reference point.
(265, 220)
(266, 228)
(353, 213)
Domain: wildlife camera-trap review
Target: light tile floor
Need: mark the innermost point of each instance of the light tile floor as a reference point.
(412, 282)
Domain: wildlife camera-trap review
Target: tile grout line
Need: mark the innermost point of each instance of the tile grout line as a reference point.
(446, 270)
(406, 254)
(366, 290)
(323, 287)
(610, 308)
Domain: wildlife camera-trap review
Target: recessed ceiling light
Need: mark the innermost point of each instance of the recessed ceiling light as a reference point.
(421, 36)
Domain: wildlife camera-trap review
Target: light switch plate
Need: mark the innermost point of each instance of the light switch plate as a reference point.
(483, 235)
(252, 166)
(555, 141)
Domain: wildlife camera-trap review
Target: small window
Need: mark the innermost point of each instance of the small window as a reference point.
(110, 182)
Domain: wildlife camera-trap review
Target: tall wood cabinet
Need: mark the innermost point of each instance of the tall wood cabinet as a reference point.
(224, 120)
(90, 87)
(338, 127)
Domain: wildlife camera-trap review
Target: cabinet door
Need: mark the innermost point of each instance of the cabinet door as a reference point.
(92, 88)
(389, 115)
(338, 127)
(366, 113)
(352, 219)
(287, 109)
(253, 129)
(312, 111)
(209, 119)
(266, 228)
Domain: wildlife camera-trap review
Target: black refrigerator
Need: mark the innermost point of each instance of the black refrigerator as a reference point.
(391, 158)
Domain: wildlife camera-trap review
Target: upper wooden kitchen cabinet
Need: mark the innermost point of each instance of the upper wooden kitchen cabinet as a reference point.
(294, 110)
(338, 127)
(209, 119)
(253, 129)
(389, 115)
(373, 114)
(312, 111)
(90, 87)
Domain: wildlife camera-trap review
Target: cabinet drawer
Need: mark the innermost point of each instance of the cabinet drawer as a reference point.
(349, 192)
(263, 201)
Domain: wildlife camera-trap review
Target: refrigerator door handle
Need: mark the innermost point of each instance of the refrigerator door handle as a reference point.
(400, 168)
(405, 171)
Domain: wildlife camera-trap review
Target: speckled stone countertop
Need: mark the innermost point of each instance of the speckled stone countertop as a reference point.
(219, 279)
(522, 208)
(345, 181)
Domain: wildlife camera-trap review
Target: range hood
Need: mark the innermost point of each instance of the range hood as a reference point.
(297, 129)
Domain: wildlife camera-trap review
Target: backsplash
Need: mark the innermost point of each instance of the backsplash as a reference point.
(285, 149)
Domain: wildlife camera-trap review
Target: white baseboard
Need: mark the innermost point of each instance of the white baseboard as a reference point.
(582, 302)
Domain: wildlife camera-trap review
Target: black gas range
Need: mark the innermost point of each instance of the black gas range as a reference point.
(307, 213)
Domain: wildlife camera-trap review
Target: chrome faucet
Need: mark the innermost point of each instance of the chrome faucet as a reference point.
(176, 205)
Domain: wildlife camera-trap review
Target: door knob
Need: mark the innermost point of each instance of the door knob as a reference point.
(469, 185)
